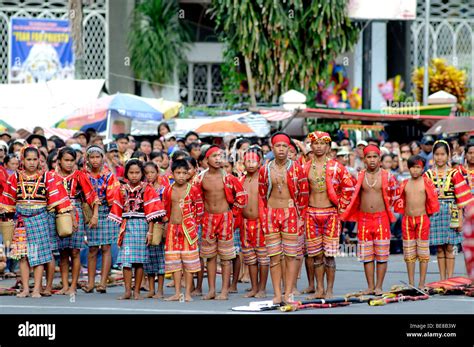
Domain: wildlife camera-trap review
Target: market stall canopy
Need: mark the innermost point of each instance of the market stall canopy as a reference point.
(222, 128)
(452, 126)
(64, 134)
(113, 113)
(43, 104)
(255, 121)
(5, 127)
(169, 109)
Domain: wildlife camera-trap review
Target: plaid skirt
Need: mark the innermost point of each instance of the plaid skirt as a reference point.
(37, 225)
(237, 244)
(76, 240)
(106, 232)
(134, 248)
(440, 232)
(156, 260)
(53, 235)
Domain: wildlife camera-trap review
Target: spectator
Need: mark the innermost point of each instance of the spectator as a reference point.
(180, 143)
(405, 151)
(52, 160)
(122, 142)
(112, 160)
(373, 141)
(38, 131)
(163, 129)
(98, 141)
(145, 147)
(158, 145)
(79, 153)
(342, 156)
(387, 162)
(5, 137)
(3, 150)
(11, 163)
(140, 156)
(37, 140)
(132, 143)
(265, 149)
(170, 142)
(194, 150)
(395, 162)
(71, 141)
(51, 145)
(426, 153)
(415, 147)
(157, 158)
(190, 137)
(359, 155)
(82, 138)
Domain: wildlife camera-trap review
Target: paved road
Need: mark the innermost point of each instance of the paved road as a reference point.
(349, 278)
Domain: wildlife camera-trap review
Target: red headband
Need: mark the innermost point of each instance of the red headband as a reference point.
(252, 156)
(319, 135)
(211, 151)
(420, 163)
(371, 148)
(280, 138)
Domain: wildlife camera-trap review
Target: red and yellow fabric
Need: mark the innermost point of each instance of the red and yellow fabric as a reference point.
(373, 233)
(179, 253)
(468, 243)
(455, 186)
(3, 178)
(322, 230)
(390, 194)
(416, 238)
(105, 184)
(192, 208)
(218, 236)
(282, 232)
(339, 184)
(252, 236)
(46, 190)
(431, 203)
(297, 185)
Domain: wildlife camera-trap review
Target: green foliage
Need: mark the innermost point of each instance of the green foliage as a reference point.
(289, 43)
(157, 40)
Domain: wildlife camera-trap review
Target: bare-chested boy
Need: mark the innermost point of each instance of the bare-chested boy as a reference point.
(331, 188)
(375, 193)
(183, 205)
(418, 200)
(284, 190)
(252, 227)
(224, 198)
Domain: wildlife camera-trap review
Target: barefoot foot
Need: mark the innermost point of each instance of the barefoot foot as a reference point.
(173, 298)
(23, 294)
(261, 294)
(36, 294)
(126, 296)
(196, 292)
(209, 296)
(222, 296)
(250, 294)
(158, 295)
(188, 298)
(308, 290)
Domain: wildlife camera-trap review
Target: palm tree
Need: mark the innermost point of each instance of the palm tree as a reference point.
(157, 41)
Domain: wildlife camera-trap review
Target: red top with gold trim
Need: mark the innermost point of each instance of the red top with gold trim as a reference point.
(469, 175)
(339, 184)
(141, 201)
(452, 186)
(192, 208)
(3, 178)
(43, 189)
(235, 194)
(390, 193)
(431, 204)
(79, 187)
(296, 180)
(105, 185)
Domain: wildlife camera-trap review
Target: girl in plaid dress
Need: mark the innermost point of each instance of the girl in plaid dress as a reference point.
(453, 194)
(106, 187)
(31, 193)
(156, 263)
(80, 191)
(136, 207)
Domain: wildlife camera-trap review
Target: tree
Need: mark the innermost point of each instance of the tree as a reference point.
(288, 44)
(75, 21)
(157, 41)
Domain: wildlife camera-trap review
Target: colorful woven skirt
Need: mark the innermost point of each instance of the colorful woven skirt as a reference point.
(134, 248)
(106, 232)
(440, 232)
(156, 259)
(76, 240)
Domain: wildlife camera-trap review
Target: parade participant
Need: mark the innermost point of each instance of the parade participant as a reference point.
(330, 192)
(156, 262)
(284, 191)
(418, 201)
(80, 191)
(468, 169)
(454, 195)
(184, 206)
(30, 193)
(251, 225)
(224, 198)
(106, 187)
(468, 243)
(375, 192)
(136, 207)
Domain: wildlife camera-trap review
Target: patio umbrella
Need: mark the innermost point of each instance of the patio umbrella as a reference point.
(5, 127)
(224, 127)
(98, 114)
(452, 125)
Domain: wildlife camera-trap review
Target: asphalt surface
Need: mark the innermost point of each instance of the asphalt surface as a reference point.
(349, 278)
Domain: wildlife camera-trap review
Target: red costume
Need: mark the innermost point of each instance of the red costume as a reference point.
(181, 247)
(374, 228)
(468, 243)
(218, 229)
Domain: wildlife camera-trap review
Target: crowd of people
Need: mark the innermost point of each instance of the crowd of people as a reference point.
(241, 207)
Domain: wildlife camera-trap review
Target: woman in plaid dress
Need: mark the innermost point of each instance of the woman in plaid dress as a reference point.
(156, 262)
(136, 206)
(453, 194)
(106, 187)
(80, 191)
(31, 193)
